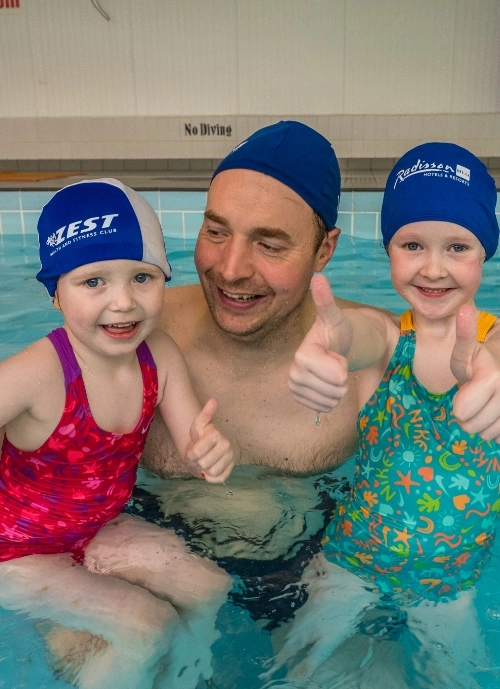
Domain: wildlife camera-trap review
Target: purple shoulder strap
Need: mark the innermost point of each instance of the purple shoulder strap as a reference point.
(71, 369)
(144, 355)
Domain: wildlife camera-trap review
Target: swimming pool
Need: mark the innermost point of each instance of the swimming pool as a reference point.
(267, 564)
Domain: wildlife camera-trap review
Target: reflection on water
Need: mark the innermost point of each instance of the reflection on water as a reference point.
(265, 536)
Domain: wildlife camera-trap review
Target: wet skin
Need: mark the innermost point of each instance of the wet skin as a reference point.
(239, 330)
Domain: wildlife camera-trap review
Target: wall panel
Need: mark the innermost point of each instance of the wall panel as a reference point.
(475, 86)
(375, 76)
(81, 63)
(185, 57)
(291, 56)
(399, 56)
(17, 87)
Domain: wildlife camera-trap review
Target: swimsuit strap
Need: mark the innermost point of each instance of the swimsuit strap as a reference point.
(62, 345)
(485, 322)
(406, 321)
(71, 369)
(144, 355)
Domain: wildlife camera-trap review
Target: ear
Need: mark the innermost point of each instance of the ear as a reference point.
(55, 301)
(326, 250)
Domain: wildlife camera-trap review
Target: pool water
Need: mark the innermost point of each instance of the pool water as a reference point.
(267, 564)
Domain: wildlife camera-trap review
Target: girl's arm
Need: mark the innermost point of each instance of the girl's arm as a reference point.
(339, 341)
(25, 381)
(205, 450)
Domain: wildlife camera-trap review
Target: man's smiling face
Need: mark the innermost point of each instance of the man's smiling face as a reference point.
(256, 254)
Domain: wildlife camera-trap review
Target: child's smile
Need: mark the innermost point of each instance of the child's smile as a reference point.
(121, 331)
(111, 302)
(436, 266)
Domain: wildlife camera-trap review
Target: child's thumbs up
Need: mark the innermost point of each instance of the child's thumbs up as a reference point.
(203, 419)
(477, 404)
(466, 344)
(209, 454)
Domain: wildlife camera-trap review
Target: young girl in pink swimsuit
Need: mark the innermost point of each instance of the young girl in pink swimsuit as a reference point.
(77, 406)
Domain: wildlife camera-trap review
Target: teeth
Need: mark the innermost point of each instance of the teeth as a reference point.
(120, 325)
(240, 297)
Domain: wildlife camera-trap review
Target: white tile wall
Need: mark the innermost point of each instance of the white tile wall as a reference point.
(367, 136)
(291, 56)
(60, 58)
(477, 41)
(375, 77)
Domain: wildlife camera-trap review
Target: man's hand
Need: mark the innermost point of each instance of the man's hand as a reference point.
(477, 404)
(318, 375)
(209, 454)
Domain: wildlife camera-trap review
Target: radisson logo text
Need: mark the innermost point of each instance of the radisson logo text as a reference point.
(458, 173)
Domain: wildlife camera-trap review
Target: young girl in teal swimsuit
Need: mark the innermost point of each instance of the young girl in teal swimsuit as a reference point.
(421, 517)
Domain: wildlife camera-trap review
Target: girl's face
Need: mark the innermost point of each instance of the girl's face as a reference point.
(111, 306)
(436, 266)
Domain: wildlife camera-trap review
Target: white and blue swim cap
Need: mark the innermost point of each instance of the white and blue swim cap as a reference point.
(97, 220)
(441, 181)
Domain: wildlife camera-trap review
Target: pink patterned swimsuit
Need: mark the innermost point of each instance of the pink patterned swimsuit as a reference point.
(56, 498)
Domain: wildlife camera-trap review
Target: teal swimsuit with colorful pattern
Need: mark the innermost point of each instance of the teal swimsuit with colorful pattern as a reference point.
(422, 514)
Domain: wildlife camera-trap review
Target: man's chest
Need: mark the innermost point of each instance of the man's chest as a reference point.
(266, 426)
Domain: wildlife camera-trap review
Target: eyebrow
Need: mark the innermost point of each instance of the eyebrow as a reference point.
(210, 215)
(269, 232)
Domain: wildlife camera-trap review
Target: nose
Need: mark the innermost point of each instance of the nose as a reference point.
(433, 267)
(236, 263)
(122, 298)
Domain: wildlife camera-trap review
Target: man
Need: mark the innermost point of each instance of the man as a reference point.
(268, 227)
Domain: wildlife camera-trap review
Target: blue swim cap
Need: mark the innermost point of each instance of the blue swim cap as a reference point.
(441, 181)
(299, 157)
(97, 220)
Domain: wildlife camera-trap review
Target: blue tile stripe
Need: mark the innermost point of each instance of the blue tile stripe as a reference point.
(181, 213)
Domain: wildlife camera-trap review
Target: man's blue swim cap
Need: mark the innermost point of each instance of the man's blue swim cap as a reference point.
(97, 220)
(299, 157)
(441, 181)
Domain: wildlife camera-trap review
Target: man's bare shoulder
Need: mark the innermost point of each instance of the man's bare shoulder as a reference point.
(185, 303)
(178, 297)
(346, 304)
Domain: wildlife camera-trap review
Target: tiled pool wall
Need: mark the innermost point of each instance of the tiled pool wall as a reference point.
(181, 212)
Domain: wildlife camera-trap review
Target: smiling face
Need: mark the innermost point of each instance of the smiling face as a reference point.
(111, 306)
(256, 253)
(436, 266)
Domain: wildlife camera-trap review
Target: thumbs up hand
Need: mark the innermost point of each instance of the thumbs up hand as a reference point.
(477, 403)
(318, 375)
(209, 454)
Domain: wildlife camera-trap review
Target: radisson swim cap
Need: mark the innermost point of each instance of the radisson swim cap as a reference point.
(299, 157)
(97, 220)
(441, 181)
